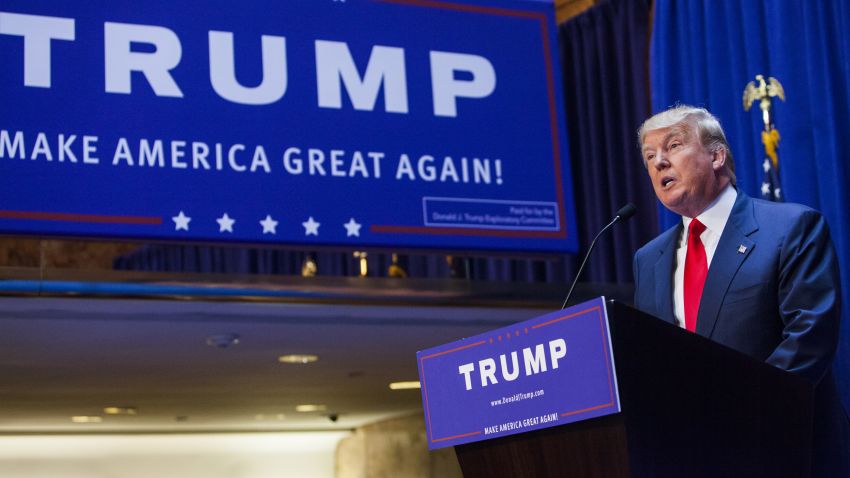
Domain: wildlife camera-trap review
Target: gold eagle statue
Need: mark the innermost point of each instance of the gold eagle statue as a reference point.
(764, 91)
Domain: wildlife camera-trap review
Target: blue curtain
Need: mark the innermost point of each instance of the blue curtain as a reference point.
(704, 52)
(604, 54)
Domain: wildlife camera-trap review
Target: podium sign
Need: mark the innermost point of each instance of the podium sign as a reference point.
(547, 371)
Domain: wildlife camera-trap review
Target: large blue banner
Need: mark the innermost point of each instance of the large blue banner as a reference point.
(547, 371)
(403, 123)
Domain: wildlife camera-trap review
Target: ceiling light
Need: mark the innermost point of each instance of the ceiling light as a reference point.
(298, 358)
(264, 417)
(404, 385)
(120, 410)
(86, 419)
(311, 408)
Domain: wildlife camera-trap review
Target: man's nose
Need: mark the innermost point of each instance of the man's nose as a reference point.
(659, 161)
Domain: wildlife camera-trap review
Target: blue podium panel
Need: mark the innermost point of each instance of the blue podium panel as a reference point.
(399, 123)
(547, 371)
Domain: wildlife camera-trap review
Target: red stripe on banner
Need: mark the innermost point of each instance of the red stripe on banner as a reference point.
(476, 344)
(467, 8)
(456, 436)
(425, 389)
(605, 351)
(425, 392)
(553, 122)
(590, 409)
(88, 218)
(598, 311)
(582, 312)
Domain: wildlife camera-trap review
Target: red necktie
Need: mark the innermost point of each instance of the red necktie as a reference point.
(696, 268)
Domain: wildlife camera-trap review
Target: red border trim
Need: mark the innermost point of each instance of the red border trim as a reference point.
(425, 389)
(466, 8)
(604, 351)
(83, 218)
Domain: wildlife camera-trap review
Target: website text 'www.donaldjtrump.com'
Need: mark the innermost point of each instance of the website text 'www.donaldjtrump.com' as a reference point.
(516, 398)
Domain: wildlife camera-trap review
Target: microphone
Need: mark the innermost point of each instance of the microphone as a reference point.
(623, 214)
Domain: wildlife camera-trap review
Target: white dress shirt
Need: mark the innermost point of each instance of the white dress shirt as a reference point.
(714, 218)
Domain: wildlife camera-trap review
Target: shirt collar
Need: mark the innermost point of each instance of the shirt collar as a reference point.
(717, 213)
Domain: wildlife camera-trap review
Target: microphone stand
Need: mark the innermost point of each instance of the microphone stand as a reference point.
(624, 213)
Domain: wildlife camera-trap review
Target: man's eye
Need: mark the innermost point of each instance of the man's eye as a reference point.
(650, 157)
(674, 145)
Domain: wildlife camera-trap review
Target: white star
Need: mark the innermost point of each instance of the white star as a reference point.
(311, 227)
(225, 223)
(776, 193)
(766, 165)
(765, 189)
(352, 228)
(181, 221)
(269, 225)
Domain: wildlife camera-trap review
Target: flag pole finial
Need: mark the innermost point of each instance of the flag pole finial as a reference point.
(763, 92)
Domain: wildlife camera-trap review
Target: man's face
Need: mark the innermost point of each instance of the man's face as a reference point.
(684, 174)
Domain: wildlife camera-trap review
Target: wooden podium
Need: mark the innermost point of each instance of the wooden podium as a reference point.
(691, 408)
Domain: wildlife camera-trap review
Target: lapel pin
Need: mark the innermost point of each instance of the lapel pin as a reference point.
(742, 249)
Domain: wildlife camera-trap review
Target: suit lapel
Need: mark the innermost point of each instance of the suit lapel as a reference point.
(726, 262)
(664, 275)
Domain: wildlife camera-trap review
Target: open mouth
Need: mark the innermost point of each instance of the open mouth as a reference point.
(666, 181)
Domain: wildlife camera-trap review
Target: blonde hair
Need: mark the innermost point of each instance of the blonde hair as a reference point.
(707, 127)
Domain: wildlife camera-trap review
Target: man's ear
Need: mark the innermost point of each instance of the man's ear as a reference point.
(718, 158)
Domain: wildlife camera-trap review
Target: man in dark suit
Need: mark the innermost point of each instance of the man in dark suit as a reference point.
(757, 276)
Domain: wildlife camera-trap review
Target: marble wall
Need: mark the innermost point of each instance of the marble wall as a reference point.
(394, 448)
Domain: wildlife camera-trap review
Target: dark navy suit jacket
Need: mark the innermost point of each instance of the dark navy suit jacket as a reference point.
(771, 292)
